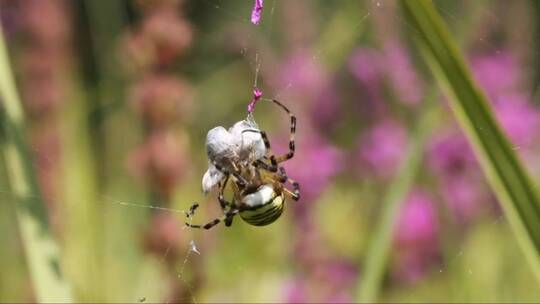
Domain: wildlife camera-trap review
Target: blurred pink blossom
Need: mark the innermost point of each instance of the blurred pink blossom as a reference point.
(402, 75)
(49, 31)
(391, 66)
(329, 281)
(496, 73)
(163, 235)
(519, 119)
(416, 237)
(450, 154)
(462, 184)
(319, 162)
(381, 150)
(162, 160)
(341, 273)
(466, 196)
(326, 113)
(367, 66)
(161, 38)
(295, 291)
(162, 99)
(304, 74)
(256, 12)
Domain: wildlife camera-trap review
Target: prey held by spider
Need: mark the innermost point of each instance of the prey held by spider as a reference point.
(241, 158)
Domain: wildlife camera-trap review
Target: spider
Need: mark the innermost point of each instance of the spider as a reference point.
(259, 192)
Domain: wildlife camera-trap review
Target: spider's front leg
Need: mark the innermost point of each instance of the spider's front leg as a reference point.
(295, 194)
(289, 154)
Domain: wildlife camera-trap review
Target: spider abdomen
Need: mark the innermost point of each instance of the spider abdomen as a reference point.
(267, 211)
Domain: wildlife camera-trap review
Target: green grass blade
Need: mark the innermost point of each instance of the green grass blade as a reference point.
(381, 242)
(40, 248)
(506, 175)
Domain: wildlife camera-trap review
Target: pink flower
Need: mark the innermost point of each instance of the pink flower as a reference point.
(296, 292)
(462, 184)
(519, 119)
(318, 163)
(257, 94)
(162, 99)
(382, 148)
(496, 73)
(256, 12)
(162, 160)
(326, 112)
(418, 222)
(366, 66)
(416, 238)
(402, 75)
(466, 195)
(163, 235)
(373, 69)
(450, 154)
(329, 281)
(461, 181)
(305, 75)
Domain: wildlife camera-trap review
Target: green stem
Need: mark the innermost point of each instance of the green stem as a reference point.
(380, 244)
(41, 251)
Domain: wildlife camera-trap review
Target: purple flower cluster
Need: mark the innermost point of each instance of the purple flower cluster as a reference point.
(389, 68)
(163, 100)
(416, 238)
(449, 158)
(320, 161)
(43, 62)
(381, 149)
(461, 182)
(332, 283)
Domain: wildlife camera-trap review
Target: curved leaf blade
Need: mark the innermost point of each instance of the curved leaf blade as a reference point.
(505, 173)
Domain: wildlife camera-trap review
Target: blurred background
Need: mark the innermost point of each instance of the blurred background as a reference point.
(118, 97)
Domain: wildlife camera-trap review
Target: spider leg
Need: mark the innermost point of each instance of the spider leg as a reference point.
(228, 215)
(282, 174)
(191, 210)
(283, 178)
(295, 194)
(296, 189)
(224, 203)
(273, 161)
(289, 154)
(268, 167)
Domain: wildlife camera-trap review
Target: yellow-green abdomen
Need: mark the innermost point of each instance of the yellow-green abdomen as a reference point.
(264, 214)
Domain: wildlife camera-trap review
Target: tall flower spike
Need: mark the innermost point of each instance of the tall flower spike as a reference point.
(256, 12)
(257, 94)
